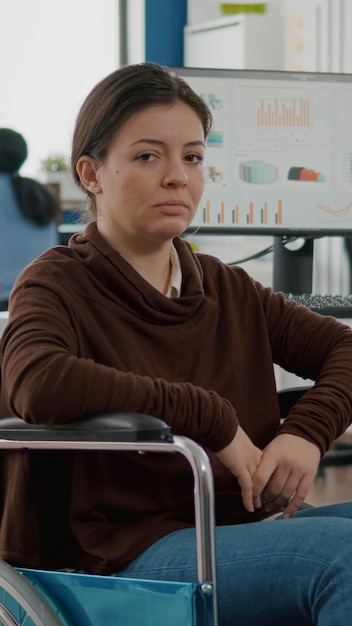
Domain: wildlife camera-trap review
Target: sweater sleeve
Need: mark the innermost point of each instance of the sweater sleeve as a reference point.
(44, 381)
(318, 348)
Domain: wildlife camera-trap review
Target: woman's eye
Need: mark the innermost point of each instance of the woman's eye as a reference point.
(146, 157)
(194, 158)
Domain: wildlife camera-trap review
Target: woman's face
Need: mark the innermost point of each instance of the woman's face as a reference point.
(150, 183)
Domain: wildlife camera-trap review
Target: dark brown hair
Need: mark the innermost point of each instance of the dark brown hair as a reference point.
(119, 96)
(35, 202)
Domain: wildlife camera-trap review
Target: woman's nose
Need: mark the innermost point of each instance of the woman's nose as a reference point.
(175, 174)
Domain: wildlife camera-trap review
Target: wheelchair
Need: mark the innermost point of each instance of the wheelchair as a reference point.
(30, 597)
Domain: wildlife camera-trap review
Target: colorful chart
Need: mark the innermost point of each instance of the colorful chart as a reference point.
(258, 172)
(279, 113)
(306, 175)
(251, 214)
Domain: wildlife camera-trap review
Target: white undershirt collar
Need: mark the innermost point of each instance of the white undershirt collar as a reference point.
(174, 289)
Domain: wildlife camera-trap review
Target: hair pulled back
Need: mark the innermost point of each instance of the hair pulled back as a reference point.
(119, 96)
(35, 202)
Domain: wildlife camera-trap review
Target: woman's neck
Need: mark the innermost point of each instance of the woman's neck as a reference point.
(154, 268)
(152, 263)
(151, 259)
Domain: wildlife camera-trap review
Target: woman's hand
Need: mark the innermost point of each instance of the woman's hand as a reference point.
(285, 473)
(242, 458)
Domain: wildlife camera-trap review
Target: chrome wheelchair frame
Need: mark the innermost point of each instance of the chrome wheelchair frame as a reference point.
(28, 597)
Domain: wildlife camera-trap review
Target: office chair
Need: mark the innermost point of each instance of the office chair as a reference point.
(339, 455)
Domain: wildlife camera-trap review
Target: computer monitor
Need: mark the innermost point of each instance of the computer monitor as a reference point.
(278, 159)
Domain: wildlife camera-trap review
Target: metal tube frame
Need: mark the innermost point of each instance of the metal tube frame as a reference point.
(203, 488)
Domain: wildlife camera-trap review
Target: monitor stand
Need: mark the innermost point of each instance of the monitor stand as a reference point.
(293, 268)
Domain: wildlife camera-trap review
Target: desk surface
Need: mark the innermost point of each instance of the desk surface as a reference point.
(67, 230)
(71, 228)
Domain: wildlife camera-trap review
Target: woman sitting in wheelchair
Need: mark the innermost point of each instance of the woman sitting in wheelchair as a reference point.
(128, 317)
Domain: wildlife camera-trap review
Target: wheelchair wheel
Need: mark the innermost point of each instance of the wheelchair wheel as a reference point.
(20, 604)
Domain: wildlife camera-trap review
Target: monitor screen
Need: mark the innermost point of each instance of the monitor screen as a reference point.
(279, 155)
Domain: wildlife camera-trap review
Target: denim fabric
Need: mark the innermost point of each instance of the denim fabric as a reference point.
(295, 572)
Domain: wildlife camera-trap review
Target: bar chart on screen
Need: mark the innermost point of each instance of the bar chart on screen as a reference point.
(246, 213)
(283, 113)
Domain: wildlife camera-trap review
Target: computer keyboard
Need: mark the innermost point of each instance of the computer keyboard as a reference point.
(336, 305)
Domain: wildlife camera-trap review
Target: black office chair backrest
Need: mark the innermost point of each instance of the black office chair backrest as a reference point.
(337, 455)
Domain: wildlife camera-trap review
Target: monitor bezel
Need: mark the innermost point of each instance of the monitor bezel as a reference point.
(268, 74)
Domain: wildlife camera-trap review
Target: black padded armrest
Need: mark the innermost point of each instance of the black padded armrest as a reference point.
(116, 427)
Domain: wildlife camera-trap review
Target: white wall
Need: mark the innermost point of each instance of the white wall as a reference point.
(51, 55)
(136, 31)
(3, 321)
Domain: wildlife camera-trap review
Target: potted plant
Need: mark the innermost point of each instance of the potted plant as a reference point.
(56, 170)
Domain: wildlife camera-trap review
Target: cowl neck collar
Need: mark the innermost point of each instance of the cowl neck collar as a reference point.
(122, 284)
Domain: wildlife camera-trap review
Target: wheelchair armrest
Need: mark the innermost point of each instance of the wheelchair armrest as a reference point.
(128, 432)
(124, 427)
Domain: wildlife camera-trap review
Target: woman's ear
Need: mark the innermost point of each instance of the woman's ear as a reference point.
(87, 171)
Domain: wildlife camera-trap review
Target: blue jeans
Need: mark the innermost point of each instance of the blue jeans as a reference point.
(296, 571)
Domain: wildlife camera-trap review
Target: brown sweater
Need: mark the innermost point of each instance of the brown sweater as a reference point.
(88, 334)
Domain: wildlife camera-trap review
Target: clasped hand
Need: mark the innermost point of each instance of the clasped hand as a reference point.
(277, 478)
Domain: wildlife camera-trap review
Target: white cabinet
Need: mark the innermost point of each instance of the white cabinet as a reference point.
(246, 40)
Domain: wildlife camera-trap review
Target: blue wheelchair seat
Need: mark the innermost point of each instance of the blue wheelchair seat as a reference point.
(89, 600)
